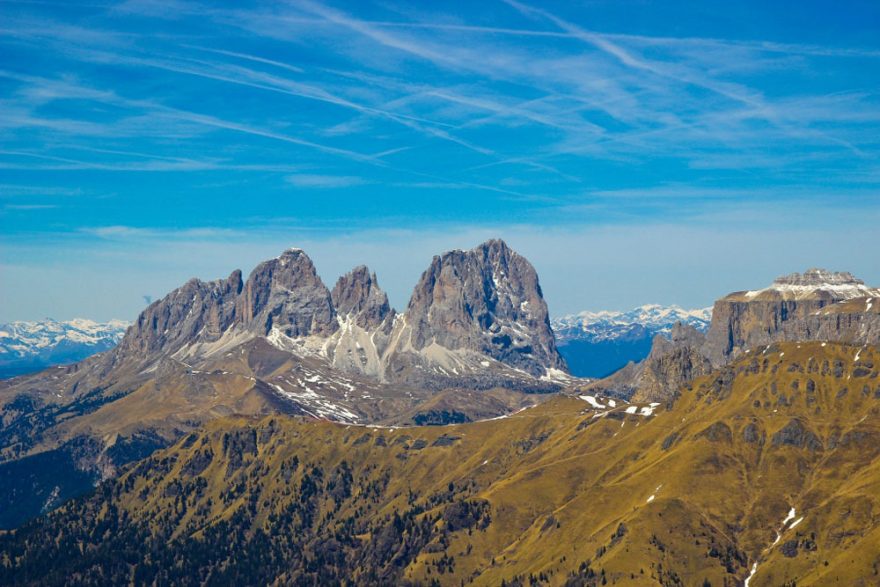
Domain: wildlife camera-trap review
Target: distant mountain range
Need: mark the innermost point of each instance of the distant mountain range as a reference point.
(596, 344)
(31, 346)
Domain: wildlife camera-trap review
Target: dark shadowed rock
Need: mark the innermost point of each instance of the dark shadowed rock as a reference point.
(795, 433)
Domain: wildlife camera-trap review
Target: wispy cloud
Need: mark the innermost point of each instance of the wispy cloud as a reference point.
(324, 181)
(9, 190)
(529, 106)
(27, 207)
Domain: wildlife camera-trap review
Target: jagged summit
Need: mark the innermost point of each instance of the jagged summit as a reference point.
(357, 295)
(469, 306)
(198, 310)
(487, 300)
(287, 294)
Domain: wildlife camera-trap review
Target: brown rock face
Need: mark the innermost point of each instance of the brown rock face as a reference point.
(671, 364)
(286, 293)
(856, 321)
(816, 305)
(197, 310)
(487, 300)
(794, 307)
(357, 295)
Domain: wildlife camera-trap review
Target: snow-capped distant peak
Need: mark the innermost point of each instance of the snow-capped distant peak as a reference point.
(31, 345)
(608, 324)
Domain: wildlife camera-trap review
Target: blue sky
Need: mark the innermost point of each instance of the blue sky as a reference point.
(635, 151)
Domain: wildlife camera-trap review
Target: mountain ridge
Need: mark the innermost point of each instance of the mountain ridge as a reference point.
(816, 305)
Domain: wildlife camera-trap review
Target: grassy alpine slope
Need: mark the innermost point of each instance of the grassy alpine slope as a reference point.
(564, 493)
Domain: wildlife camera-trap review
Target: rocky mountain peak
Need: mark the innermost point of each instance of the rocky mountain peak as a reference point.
(286, 293)
(357, 295)
(198, 310)
(815, 284)
(487, 299)
(681, 336)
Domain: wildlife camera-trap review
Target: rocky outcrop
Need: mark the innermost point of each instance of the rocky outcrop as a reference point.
(486, 301)
(366, 320)
(198, 310)
(672, 363)
(357, 296)
(814, 305)
(794, 307)
(855, 321)
(286, 294)
(469, 306)
(283, 294)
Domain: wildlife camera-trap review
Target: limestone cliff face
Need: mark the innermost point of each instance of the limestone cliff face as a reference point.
(856, 321)
(286, 293)
(469, 306)
(671, 364)
(283, 293)
(794, 307)
(366, 320)
(486, 300)
(198, 310)
(815, 305)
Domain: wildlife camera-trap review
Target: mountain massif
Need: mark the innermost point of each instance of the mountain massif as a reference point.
(280, 342)
(816, 305)
(270, 430)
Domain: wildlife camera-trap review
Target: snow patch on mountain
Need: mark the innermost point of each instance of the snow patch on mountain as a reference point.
(840, 285)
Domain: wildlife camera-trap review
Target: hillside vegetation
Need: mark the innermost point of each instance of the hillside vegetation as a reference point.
(769, 464)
